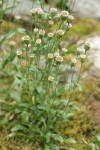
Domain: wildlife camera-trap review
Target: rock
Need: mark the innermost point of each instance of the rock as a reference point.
(87, 8)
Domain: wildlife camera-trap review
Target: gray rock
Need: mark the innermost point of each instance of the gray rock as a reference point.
(87, 8)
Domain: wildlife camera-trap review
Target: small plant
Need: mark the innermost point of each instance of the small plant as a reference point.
(96, 145)
(42, 107)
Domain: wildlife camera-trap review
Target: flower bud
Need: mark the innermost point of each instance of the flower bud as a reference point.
(87, 46)
(82, 57)
(12, 44)
(73, 61)
(70, 26)
(36, 30)
(25, 39)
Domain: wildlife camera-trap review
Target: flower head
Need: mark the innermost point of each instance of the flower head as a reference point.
(50, 35)
(25, 38)
(36, 30)
(50, 55)
(33, 11)
(60, 32)
(70, 17)
(87, 45)
(53, 10)
(56, 54)
(59, 59)
(19, 53)
(41, 32)
(12, 43)
(73, 61)
(50, 78)
(51, 22)
(64, 50)
(38, 41)
(70, 26)
(82, 56)
(39, 11)
(17, 17)
(64, 13)
(78, 51)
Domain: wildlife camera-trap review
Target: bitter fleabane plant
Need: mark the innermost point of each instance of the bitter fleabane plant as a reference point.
(43, 109)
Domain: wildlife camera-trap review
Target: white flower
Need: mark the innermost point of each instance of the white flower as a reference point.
(53, 10)
(12, 43)
(60, 32)
(59, 59)
(82, 56)
(70, 26)
(70, 17)
(40, 11)
(51, 22)
(50, 35)
(78, 50)
(25, 38)
(64, 13)
(73, 60)
(19, 53)
(50, 78)
(50, 55)
(33, 11)
(64, 50)
(17, 17)
(36, 30)
(56, 54)
(38, 41)
(37, 10)
(41, 32)
(87, 45)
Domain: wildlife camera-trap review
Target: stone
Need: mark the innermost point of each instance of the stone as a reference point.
(87, 8)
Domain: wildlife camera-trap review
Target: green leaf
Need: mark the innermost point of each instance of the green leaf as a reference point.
(40, 89)
(48, 135)
(79, 86)
(70, 140)
(18, 127)
(73, 107)
(46, 147)
(57, 137)
(24, 31)
(10, 58)
(15, 96)
(98, 137)
(62, 103)
(54, 146)
(7, 36)
(68, 116)
(62, 90)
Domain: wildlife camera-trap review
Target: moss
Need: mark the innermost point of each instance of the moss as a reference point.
(83, 27)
